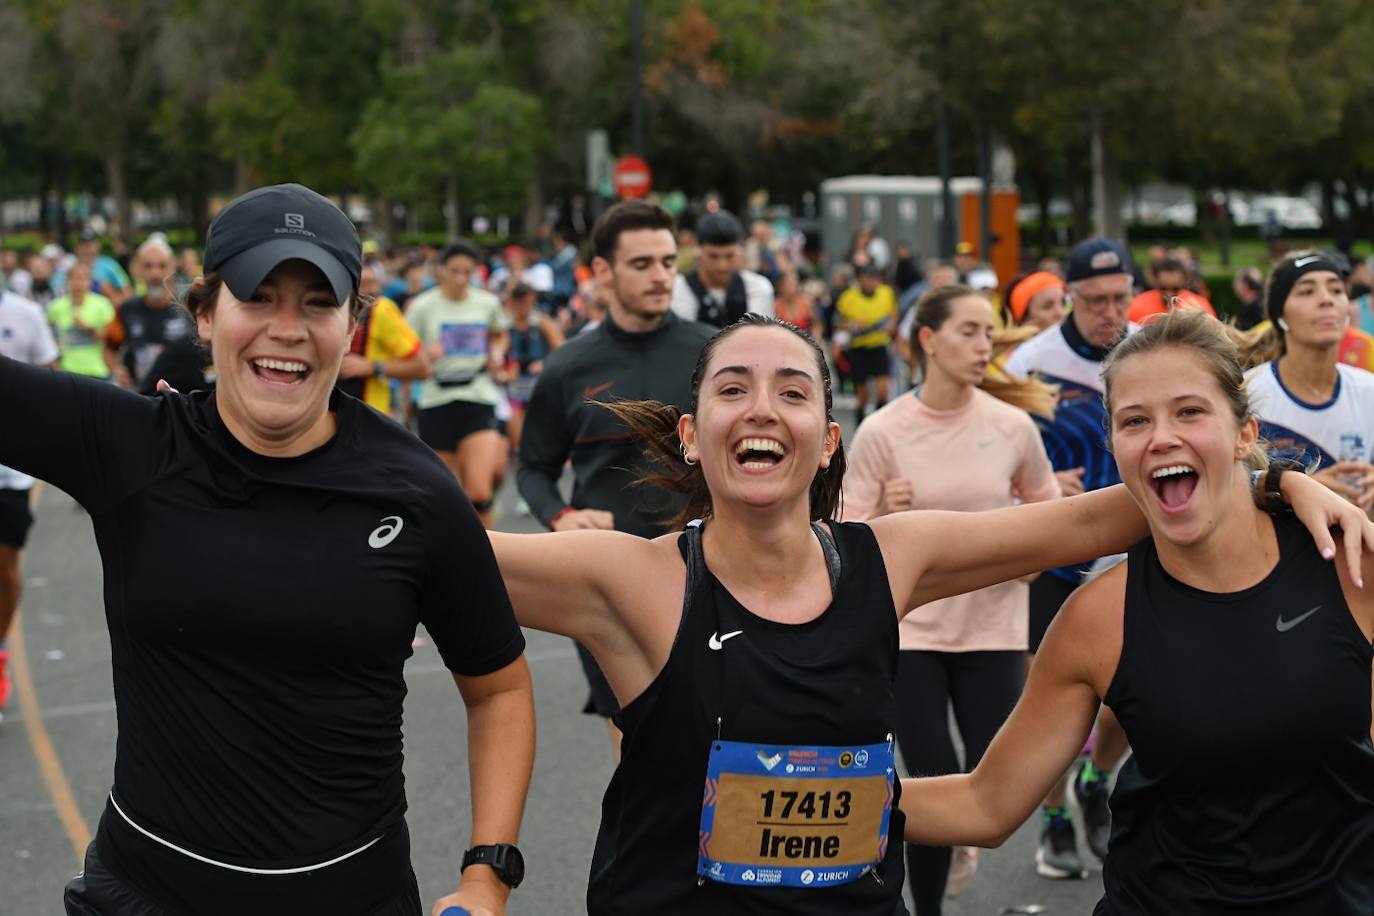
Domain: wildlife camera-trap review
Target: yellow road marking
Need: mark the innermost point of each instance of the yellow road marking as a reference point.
(49, 765)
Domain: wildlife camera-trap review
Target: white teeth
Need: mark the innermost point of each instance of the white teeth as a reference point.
(760, 445)
(281, 365)
(1172, 470)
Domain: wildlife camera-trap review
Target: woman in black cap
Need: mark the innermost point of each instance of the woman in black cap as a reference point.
(268, 552)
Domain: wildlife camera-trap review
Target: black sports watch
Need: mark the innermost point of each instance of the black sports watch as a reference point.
(503, 858)
(1267, 492)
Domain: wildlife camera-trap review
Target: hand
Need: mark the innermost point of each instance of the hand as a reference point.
(1070, 481)
(898, 496)
(355, 365)
(435, 350)
(480, 893)
(162, 385)
(1320, 509)
(585, 520)
(1352, 479)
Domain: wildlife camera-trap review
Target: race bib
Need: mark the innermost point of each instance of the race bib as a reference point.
(776, 815)
(464, 339)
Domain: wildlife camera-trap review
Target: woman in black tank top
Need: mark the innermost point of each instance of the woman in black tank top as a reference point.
(1236, 657)
(753, 655)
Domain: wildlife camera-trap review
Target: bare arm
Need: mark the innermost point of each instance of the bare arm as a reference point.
(408, 368)
(1039, 741)
(932, 555)
(500, 710)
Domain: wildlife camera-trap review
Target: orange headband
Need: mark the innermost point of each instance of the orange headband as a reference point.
(1027, 290)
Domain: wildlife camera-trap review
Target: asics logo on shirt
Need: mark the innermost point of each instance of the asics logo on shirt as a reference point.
(386, 532)
(1283, 626)
(718, 644)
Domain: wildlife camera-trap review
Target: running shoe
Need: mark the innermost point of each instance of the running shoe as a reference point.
(4, 679)
(963, 862)
(1088, 793)
(1057, 856)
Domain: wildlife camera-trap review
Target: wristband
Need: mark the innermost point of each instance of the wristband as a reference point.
(378, 370)
(559, 514)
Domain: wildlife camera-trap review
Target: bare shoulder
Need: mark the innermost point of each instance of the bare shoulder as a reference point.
(903, 538)
(1086, 635)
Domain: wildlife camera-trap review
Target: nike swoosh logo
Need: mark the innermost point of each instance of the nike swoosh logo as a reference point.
(1283, 626)
(985, 444)
(386, 532)
(592, 391)
(1303, 262)
(718, 644)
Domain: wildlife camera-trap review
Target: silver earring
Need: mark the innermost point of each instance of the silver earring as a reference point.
(685, 460)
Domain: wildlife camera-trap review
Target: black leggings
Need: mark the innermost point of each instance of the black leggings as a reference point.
(983, 686)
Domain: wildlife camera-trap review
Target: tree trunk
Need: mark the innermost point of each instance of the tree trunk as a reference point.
(1106, 183)
(1044, 189)
(124, 211)
(1080, 197)
(534, 205)
(389, 227)
(63, 224)
(451, 220)
(45, 183)
(1328, 206)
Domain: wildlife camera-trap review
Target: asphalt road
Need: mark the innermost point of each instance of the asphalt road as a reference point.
(60, 738)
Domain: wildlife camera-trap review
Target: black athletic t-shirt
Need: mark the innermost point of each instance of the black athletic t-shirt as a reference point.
(1251, 785)
(261, 610)
(825, 682)
(148, 329)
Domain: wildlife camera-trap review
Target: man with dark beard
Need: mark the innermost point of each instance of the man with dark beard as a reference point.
(640, 351)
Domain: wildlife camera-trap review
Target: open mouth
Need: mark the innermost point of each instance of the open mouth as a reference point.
(1174, 485)
(281, 371)
(759, 454)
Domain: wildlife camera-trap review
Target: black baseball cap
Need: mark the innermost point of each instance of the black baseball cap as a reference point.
(719, 228)
(1097, 258)
(283, 222)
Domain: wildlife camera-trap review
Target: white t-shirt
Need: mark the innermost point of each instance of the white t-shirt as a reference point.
(25, 336)
(1342, 429)
(758, 295)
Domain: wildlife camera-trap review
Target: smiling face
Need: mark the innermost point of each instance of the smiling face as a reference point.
(760, 430)
(1317, 310)
(277, 356)
(1178, 443)
(961, 347)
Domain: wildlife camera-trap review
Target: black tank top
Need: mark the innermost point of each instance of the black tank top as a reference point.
(824, 682)
(1251, 786)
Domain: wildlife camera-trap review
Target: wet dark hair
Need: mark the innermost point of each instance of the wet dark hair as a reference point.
(626, 216)
(656, 424)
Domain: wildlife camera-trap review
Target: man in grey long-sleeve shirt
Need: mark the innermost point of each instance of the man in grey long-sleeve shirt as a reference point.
(640, 351)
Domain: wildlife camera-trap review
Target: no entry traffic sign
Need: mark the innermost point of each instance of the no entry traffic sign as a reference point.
(632, 177)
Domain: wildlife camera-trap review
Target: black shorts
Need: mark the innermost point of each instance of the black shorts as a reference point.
(1047, 594)
(443, 427)
(601, 699)
(867, 362)
(15, 517)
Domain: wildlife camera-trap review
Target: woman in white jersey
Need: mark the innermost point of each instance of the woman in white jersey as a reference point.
(951, 445)
(1312, 406)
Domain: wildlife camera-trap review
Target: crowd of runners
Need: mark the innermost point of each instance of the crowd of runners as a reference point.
(756, 605)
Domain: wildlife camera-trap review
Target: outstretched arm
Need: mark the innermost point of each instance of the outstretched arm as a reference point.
(1039, 741)
(932, 555)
